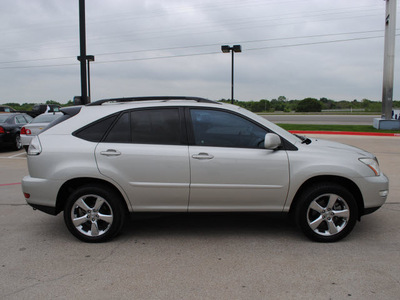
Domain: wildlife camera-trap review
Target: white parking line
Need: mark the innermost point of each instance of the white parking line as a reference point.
(16, 156)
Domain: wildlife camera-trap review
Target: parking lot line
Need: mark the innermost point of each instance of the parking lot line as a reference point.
(16, 156)
(5, 184)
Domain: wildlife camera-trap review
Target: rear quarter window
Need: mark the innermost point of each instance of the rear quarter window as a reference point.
(94, 132)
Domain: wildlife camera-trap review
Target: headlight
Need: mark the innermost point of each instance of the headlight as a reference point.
(372, 164)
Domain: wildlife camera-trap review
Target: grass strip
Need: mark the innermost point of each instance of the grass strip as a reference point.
(317, 127)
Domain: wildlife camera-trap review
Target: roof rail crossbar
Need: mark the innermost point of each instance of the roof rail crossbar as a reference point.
(150, 98)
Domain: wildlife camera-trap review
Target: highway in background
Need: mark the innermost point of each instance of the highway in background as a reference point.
(322, 119)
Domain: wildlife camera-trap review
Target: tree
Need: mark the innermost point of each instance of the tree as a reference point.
(309, 105)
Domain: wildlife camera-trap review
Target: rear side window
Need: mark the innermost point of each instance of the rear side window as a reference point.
(156, 126)
(20, 119)
(95, 131)
(121, 131)
(150, 126)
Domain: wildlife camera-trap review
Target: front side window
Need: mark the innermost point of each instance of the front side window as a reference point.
(223, 129)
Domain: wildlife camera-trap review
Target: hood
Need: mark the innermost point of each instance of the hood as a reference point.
(338, 147)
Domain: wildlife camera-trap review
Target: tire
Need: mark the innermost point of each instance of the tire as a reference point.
(94, 214)
(326, 212)
(17, 142)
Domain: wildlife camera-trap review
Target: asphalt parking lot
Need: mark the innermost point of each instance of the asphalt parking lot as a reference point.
(213, 256)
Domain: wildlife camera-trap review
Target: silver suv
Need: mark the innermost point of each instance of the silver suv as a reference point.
(99, 162)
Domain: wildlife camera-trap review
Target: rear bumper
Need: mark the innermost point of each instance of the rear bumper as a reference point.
(26, 140)
(48, 210)
(42, 193)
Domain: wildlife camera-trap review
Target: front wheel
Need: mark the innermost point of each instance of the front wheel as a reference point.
(326, 212)
(94, 214)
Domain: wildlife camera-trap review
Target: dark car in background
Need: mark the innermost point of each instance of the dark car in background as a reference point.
(10, 127)
(39, 109)
(6, 109)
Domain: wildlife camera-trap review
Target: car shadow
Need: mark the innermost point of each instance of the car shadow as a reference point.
(209, 224)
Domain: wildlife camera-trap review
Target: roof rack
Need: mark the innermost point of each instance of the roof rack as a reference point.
(150, 98)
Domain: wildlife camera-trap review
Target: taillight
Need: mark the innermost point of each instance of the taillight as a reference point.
(2, 130)
(25, 131)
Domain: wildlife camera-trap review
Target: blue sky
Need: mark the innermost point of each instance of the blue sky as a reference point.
(294, 48)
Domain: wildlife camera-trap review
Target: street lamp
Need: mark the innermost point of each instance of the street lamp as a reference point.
(227, 49)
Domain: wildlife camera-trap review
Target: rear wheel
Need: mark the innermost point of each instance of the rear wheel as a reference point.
(326, 212)
(17, 142)
(94, 214)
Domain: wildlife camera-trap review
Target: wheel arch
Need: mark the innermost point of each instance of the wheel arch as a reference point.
(345, 182)
(76, 183)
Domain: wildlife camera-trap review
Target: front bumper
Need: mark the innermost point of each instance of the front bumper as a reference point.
(374, 191)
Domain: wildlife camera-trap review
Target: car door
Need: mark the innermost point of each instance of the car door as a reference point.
(230, 169)
(146, 153)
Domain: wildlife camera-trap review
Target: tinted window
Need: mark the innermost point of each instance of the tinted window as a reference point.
(95, 131)
(156, 126)
(223, 129)
(121, 131)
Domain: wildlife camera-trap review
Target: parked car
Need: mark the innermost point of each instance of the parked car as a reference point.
(39, 109)
(6, 109)
(35, 126)
(10, 126)
(183, 154)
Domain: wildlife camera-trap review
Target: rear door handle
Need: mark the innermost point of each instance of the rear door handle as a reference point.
(110, 152)
(202, 155)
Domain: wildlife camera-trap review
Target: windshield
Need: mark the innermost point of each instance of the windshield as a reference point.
(3, 118)
(46, 118)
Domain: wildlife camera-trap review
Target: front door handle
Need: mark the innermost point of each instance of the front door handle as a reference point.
(110, 152)
(202, 155)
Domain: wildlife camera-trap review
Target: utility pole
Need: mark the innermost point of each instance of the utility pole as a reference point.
(82, 57)
(388, 63)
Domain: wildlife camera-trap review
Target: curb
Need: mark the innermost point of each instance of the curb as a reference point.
(346, 133)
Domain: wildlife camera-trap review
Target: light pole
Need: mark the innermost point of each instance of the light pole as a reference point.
(89, 58)
(227, 49)
(82, 38)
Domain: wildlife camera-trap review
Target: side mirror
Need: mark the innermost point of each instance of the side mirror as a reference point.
(272, 141)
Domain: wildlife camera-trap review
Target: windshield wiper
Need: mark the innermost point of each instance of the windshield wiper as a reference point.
(304, 140)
